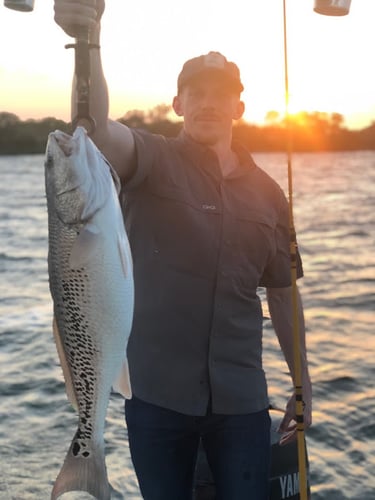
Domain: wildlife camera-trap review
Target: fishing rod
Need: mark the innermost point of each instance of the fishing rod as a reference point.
(330, 8)
(302, 465)
(82, 47)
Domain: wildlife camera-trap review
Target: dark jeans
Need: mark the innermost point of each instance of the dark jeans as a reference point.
(164, 444)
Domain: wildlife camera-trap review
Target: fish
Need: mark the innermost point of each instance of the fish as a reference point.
(91, 282)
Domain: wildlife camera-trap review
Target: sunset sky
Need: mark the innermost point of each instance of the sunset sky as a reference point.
(145, 43)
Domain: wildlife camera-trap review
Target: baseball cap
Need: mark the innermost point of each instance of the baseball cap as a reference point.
(213, 62)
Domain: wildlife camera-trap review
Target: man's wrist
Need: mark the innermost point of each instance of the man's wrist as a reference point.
(95, 36)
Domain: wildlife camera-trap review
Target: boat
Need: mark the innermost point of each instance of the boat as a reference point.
(284, 476)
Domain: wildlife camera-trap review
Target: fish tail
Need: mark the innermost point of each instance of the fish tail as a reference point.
(80, 473)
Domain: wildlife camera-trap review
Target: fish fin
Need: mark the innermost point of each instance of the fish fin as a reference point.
(84, 246)
(65, 366)
(124, 251)
(83, 474)
(122, 381)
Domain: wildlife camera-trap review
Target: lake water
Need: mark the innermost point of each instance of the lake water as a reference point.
(334, 202)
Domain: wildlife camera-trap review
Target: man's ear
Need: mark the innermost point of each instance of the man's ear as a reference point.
(239, 111)
(177, 106)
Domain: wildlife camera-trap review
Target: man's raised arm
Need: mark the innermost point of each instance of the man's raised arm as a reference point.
(112, 138)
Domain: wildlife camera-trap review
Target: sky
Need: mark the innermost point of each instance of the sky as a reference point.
(145, 43)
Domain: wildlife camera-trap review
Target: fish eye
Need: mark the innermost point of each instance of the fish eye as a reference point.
(49, 161)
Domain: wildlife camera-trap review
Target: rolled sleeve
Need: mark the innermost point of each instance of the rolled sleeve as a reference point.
(145, 147)
(277, 273)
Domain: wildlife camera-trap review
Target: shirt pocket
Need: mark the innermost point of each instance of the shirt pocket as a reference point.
(186, 231)
(254, 237)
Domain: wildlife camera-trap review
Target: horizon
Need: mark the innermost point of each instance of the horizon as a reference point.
(278, 120)
(328, 72)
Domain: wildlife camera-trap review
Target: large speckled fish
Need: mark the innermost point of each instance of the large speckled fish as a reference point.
(91, 283)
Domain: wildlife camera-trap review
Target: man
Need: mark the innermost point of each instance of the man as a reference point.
(206, 227)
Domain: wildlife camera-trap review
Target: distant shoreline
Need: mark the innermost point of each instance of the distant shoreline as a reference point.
(311, 132)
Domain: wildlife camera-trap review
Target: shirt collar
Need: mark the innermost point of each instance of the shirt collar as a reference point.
(204, 156)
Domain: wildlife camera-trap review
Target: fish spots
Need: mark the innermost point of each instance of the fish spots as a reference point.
(78, 450)
(85, 379)
(81, 353)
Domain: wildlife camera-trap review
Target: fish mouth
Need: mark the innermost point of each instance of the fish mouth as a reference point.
(64, 142)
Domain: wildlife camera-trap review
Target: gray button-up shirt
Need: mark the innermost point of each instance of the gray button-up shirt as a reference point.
(201, 244)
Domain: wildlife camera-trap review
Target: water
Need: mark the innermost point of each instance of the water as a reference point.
(334, 215)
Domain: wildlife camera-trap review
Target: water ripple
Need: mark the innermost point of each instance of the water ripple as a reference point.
(336, 229)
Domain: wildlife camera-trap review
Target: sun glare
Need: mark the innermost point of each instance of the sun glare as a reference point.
(143, 55)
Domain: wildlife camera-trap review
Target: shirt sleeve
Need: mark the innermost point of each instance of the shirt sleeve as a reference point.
(145, 144)
(277, 273)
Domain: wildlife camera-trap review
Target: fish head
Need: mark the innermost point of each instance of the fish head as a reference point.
(77, 178)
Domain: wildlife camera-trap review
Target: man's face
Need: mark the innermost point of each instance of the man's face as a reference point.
(208, 107)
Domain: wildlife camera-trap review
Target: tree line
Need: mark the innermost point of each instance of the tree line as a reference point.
(308, 132)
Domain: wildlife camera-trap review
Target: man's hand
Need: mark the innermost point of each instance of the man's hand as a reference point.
(70, 14)
(281, 306)
(288, 426)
